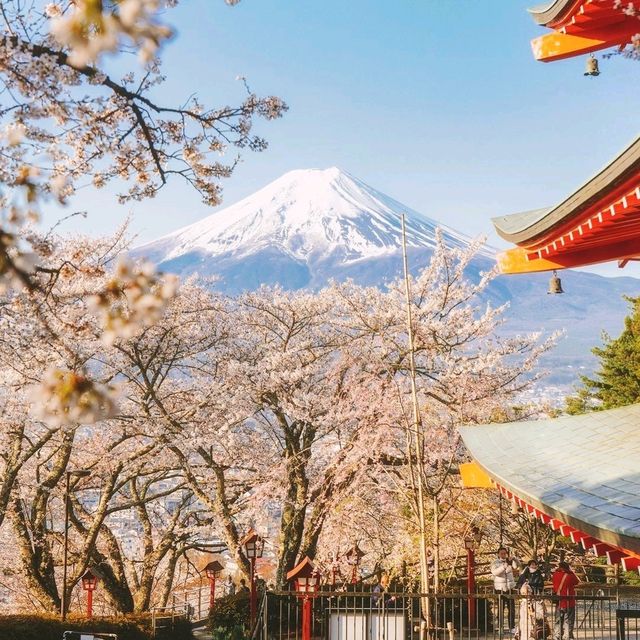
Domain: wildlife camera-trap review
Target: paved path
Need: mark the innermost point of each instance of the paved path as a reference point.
(201, 633)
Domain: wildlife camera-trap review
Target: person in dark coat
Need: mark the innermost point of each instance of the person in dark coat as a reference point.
(533, 576)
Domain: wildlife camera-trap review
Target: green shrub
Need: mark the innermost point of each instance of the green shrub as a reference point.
(34, 627)
(232, 633)
(230, 616)
(631, 578)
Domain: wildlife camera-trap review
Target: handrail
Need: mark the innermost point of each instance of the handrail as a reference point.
(97, 635)
(259, 617)
(447, 596)
(175, 611)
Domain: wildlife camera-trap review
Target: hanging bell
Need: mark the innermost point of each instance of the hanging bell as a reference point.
(555, 284)
(592, 67)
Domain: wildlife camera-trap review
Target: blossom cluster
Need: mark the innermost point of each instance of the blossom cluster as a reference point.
(630, 9)
(134, 298)
(15, 265)
(68, 397)
(88, 29)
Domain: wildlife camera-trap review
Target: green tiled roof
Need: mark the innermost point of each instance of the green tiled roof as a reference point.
(583, 470)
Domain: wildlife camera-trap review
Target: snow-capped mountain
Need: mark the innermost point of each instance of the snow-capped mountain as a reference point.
(298, 231)
(309, 226)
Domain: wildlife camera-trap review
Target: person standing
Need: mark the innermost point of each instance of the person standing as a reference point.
(379, 591)
(504, 584)
(533, 576)
(564, 586)
(231, 587)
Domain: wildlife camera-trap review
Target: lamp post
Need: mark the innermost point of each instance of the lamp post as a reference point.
(212, 570)
(253, 548)
(353, 557)
(79, 473)
(471, 543)
(89, 584)
(306, 583)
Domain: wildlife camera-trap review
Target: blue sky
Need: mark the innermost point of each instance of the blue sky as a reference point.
(438, 103)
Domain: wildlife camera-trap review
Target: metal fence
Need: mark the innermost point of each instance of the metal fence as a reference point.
(334, 615)
(628, 624)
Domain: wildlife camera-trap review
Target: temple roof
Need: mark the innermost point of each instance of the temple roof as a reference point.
(581, 26)
(525, 228)
(583, 470)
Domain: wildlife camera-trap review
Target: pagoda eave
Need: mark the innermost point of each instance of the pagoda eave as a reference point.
(519, 260)
(599, 222)
(579, 475)
(559, 46)
(581, 26)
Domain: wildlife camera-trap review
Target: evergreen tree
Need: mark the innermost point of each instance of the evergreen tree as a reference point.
(617, 382)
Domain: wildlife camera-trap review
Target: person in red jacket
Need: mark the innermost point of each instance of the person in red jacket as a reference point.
(564, 586)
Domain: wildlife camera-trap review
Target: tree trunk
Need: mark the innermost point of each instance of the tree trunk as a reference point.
(36, 562)
(115, 580)
(298, 438)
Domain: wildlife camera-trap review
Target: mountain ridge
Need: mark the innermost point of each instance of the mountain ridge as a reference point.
(307, 212)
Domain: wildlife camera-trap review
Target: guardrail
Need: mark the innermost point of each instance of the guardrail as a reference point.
(164, 618)
(196, 599)
(88, 635)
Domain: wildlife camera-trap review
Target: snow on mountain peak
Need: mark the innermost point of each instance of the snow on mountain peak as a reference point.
(307, 214)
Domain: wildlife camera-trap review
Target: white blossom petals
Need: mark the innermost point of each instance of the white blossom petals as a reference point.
(69, 398)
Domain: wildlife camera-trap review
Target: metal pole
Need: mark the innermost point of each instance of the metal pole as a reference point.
(253, 592)
(90, 603)
(306, 618)
(63, 599)
(212, 592)
(471, 587)
(417, 433)
(501, 520)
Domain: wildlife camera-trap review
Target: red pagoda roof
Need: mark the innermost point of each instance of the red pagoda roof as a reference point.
(598, 222)
(581, 26)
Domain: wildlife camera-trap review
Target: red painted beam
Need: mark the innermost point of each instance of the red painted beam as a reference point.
(630, 563)
(577, 536)
(588, 542)
(614, 557)
(601, 548)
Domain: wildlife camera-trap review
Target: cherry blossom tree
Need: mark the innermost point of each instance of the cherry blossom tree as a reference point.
(66, 122)
(465, 371)
(279, 410)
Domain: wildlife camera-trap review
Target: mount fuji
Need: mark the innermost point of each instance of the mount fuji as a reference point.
(310, 226)
(299, 231)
